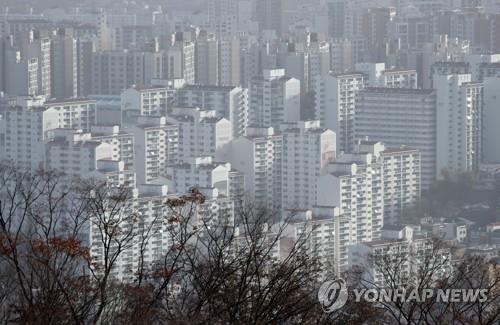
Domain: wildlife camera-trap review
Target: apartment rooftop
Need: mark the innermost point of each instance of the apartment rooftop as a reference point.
(207, 88)
(398, 150)
(69, 101)
(398, 91)
(347, 74)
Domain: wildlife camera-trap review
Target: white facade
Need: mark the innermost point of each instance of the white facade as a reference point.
(75, 114)
(402, 183)
(201, 172)
(400, 117)
(410, 255)
(147, 100)
(148, 204)
(258, 155)
(491, 120)
(74, 153)
(400, 79)
(200, 132)
(307, 148)
(229, 102)
(122, 143)
(24, 124)
(459, 123)
(320, 231)
(379, 76)
(354, 184)
(28, 121)
(155, 147)
(273, 99)
(335, 105)
(181, 61)
(114, 174)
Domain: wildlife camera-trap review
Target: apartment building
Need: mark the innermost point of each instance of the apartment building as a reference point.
(400, 117)
(335, 105)
(24, 123)
(228, 102)
(156, 145)
(273, 99)
(458, 122)
(307, 148)
(147, 100)
(354, 184)
(121, 141)
(147, 215)
(201, 132)
(74, 153)
(74, 113)
(258, 156)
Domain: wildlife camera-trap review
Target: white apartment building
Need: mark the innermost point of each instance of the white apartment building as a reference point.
(459, 122)
(23, 129)
(258, 156)
(22, 72)
(307, 148)
(273, 99)
(410, 254)
(27, 121)
(37, 47)
(201, 132)
(208, 174)
(122, 143)
(399, 78)
(148, 204)
(181, 59)
(74, 113)
(147, 100)
(320, 231)
(354, 184)
(400, 174)
(400, 117)
(74, 152)
(319, 60)
(229, 102)
(491, 120)
(305, 61)
(335, 105)
(379, 76)
(200, 172)
(402, 183)
(156, 145)
(114, 173)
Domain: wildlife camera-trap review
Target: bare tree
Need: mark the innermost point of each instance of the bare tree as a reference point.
(434, 266)
(61, 242)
